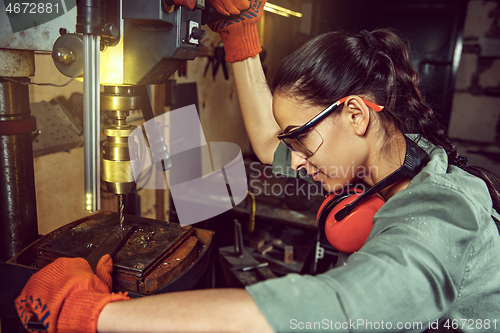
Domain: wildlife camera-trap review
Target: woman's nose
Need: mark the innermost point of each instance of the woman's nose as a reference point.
(297, 162)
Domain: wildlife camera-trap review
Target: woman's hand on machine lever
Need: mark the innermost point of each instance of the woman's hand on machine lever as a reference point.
(242, 47)
(230, 7)
(239, 32)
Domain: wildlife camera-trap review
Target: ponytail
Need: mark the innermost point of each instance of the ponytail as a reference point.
(338, 64)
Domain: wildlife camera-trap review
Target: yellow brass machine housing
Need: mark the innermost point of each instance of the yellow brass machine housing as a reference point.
(117, 168)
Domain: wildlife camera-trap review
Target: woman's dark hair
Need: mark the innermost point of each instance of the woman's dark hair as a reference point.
(377, 65)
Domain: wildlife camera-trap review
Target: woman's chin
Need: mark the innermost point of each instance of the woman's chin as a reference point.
(332, 186)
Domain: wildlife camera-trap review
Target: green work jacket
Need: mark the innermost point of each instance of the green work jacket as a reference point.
(432, 261)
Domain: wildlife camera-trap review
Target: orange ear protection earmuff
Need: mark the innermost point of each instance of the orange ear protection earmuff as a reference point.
(346, 220)
(350, 233)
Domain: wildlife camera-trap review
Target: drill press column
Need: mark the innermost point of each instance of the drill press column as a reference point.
(18, 220)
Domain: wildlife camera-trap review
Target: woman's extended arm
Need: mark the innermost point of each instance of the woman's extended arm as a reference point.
(256, 106)
(68, 296)
(207, 310)
(241, 41)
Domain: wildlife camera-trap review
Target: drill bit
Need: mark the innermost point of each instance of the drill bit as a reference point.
(122, 217)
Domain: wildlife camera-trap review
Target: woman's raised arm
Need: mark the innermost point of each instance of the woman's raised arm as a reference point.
(256, 107)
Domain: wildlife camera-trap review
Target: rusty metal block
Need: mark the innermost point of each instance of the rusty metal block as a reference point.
(156, 254)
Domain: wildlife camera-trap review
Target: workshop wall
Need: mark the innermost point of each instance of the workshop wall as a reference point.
(281, 35)
(58, 176)
(476, 113)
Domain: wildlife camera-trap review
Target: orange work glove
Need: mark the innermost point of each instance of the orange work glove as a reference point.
(230, 7)
(239, 33)
(66, 296)
(189, 4)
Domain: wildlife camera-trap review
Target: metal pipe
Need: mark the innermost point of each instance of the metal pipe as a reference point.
(18, 219)
(91, 121)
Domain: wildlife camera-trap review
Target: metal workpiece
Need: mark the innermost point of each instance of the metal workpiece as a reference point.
(18, 219)
(158, 256)
(91, 121)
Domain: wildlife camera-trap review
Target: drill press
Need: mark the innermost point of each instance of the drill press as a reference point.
(140, 43)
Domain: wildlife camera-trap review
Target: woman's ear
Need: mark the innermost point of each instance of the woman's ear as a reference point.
(357, 114)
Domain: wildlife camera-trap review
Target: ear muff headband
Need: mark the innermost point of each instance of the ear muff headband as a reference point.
(415, 159)
(346, 220)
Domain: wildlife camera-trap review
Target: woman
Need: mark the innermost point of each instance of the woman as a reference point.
(431, 260)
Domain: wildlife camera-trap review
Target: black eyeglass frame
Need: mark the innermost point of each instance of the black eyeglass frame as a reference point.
(311, 123)
(316, 119)
(320, 116)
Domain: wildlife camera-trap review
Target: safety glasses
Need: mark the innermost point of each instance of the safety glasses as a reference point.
(305, 140)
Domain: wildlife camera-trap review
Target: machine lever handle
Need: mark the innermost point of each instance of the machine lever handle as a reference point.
(197, 33)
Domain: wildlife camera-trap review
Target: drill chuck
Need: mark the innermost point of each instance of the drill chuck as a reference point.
(117, 171)
(117, 167)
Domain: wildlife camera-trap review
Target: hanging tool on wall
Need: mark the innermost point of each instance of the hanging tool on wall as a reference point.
(218, 59)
